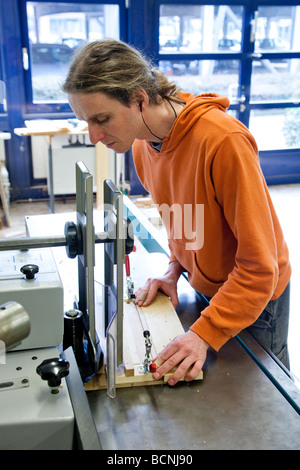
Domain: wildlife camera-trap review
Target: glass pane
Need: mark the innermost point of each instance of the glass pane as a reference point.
(200, 28)
(55, 31)
(204, 76)
(276, 128)
(278, 29)
(276, 80)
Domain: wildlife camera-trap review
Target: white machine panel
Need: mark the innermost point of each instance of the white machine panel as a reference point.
(31, 417)
(64, 160)
(41, 297)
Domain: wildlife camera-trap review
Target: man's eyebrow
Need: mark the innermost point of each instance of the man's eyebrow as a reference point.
(97, 115)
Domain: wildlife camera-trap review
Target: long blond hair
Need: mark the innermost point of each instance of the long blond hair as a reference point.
(117, 69)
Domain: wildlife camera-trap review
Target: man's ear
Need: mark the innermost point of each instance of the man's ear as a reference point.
(139, 97)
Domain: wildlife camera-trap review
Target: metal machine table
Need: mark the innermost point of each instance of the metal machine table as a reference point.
(245, 400)
(235, 406)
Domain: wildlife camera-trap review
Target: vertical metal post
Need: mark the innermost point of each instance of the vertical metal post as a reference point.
(86, 257)
(86, 260)
(50, 176)
(114, 264)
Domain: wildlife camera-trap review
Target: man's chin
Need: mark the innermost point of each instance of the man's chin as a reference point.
(118, 148)
(110, 146)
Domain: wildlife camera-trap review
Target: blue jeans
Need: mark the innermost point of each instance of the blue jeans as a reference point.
(271, 327)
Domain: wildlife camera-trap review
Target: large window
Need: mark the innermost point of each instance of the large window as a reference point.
(209, 48)
(205, 28)
(54, 32)
(276, 77)
(201, 31)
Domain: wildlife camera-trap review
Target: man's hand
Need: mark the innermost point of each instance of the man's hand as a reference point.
(185, 351)
(167, 284)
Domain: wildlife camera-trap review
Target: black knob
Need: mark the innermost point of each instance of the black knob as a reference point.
(73, 240)
(146, 333)
(53, 370)
(29, 270)
(129, 242)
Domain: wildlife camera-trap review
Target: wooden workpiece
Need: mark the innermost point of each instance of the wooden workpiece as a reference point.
(161, 320)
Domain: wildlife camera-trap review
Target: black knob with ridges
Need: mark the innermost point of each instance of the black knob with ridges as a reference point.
(53, 370)
(29, 270)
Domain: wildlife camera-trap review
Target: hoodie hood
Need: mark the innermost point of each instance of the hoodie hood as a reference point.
(194, 109)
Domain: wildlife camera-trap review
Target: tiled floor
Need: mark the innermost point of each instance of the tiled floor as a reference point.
(287, 203)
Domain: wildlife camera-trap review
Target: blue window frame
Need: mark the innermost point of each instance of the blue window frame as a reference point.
(3, 114)
(51, 33)
(246, 49)
(2, 92)
(177, 45)
(15, 56)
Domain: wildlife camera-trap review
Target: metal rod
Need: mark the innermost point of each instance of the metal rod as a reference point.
(103, 237)
(31, 242)
(26, 243)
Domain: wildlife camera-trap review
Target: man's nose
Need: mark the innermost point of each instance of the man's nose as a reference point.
(96, 134)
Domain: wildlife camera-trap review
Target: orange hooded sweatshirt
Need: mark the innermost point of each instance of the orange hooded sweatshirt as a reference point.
(209, 162)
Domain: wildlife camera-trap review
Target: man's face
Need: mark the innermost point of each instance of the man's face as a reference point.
(109, 121)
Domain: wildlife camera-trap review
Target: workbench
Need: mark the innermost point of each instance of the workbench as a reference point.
(52, 128)
(245, 400)
(235, 407)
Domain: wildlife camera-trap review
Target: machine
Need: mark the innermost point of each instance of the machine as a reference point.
(33, 323)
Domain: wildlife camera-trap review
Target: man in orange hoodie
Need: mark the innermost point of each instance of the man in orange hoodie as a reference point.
(201, 168)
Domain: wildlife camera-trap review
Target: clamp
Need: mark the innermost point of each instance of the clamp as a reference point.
(149, 366)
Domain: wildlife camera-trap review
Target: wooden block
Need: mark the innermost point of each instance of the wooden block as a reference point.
(99, 382)
(161, 320)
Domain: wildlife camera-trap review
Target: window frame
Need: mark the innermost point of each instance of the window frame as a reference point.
(239, 55)
(35, 109)
(3, 110)
(244, 105)
(280, 166)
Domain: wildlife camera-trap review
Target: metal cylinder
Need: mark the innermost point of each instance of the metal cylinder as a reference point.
(14, 324)
(26, 243)
(73, 332)
(31, 242)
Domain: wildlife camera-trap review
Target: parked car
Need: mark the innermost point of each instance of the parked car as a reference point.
(44, 53)
(229, 44)
(73, 43)
(271, 44)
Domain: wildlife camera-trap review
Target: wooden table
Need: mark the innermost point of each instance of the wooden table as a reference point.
(49, 130)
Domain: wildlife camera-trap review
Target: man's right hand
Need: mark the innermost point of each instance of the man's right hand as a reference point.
(167, 284)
